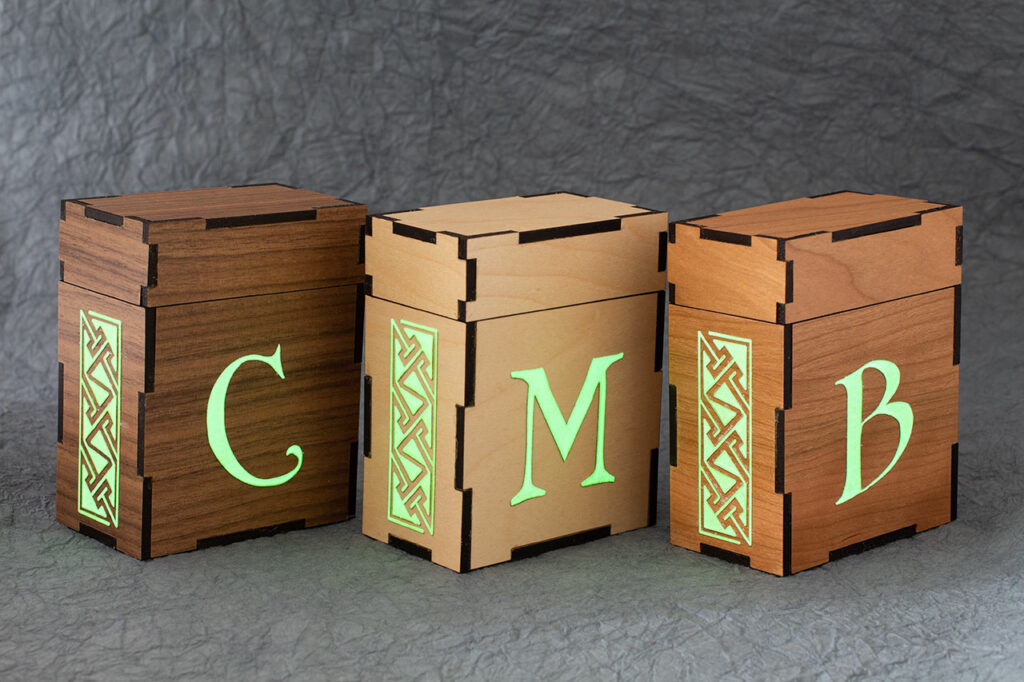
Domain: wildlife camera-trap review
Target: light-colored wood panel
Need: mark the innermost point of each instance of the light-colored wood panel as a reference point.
(518, 214)
(514, 278)
(748, 281)
(917, 335)
(832, 276)
(563, 342)
(766, 391)
(445, 543)
(424, 275)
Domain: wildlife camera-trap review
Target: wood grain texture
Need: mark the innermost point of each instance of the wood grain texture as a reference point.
(214, 202)
(564, 342)
(766, 549)
(916, 333)
(747, 281)
(163, 244)
(829, 213)
(446, 542)
(71, 300)
(812, 257)
(468, 261)
(200, 278)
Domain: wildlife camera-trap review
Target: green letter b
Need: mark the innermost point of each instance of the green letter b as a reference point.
(855, 421)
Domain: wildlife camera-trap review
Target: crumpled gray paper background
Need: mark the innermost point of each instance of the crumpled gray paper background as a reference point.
(693, 107)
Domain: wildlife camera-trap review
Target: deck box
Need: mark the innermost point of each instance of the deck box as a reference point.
(209, 361)
(513, 375)
(814, 354)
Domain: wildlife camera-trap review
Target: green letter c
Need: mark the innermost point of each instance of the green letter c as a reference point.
(217, 434)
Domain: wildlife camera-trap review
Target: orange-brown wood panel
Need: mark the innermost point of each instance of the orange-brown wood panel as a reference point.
(831, 276)
(743, 280)
(563, 342)
(916, 334)
(766, 343)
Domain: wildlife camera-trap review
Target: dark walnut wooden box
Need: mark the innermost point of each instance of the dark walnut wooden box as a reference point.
(490, 327)
(209, 350)
(814, 372)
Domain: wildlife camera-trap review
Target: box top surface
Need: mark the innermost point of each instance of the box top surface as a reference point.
(796, 260)
(213, 203)
(524, 215)
(483, 259)
(165, 248)
(829, 213)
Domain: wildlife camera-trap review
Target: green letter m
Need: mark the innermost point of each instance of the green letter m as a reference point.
(565, 432)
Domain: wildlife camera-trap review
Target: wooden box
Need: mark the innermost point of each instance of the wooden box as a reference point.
(493, 328)
(209, 353)
(814, 369)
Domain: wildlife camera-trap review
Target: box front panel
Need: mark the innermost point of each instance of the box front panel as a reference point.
(869, 439)
(415, 367)
(726, 379)
(253, 415)
(560, 437)
(101, 350)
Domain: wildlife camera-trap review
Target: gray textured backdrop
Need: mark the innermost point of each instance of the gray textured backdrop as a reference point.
(694, 107)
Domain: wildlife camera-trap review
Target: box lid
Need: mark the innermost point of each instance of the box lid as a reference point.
(800, 259)
(164, 248)
(483, 259)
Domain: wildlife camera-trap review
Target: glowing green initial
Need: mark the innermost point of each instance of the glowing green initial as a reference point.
(217, 434)
(855, 421)
(565, 432)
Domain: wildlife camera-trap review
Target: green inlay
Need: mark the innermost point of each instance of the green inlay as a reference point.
(217, 434)
(724, 422)
(565, 432)
(413, 426)
(855, 421)
(99, 417)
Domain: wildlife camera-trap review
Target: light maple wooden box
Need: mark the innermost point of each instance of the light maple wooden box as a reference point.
(209, 355)
(486, 324)
(814, 370)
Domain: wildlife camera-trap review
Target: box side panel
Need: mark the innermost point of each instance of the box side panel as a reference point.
(863, 381)
(559, 441)
(253, 414)
(195, 263)
(727, 376)
(422, 271)
(830, 276)
(745, 279)
(109, 259)
(514, 277)
(416, 369)
(101, 346)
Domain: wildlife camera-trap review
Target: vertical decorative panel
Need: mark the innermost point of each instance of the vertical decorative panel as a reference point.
(413, 421)
(724, 439)
(99, 420)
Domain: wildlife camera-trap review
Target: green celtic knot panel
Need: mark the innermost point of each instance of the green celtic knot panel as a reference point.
(413, 422)
(725, 487)
(99, 417)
